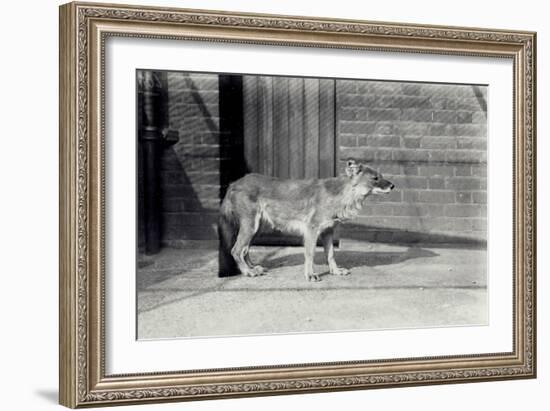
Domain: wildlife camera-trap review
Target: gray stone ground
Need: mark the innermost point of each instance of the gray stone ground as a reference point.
(180, 295)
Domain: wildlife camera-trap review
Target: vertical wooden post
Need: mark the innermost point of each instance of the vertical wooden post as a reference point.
(232, 151)
(232, 157)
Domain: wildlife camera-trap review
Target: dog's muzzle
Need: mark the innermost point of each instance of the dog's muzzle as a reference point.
(385, 190)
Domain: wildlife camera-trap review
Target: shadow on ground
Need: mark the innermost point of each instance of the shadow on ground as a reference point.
(351, 259)
(272, 259)
(180, 295)
(396, 236)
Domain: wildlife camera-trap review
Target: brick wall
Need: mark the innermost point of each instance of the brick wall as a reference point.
(190, 175)
(431, 141)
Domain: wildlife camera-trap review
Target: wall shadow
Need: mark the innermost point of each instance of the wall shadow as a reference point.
(480, 96)
(176, 184)
(176, 192)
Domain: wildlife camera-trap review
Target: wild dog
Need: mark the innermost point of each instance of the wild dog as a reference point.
(310, 208)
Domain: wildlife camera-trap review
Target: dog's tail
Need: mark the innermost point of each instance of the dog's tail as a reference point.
(227, 233)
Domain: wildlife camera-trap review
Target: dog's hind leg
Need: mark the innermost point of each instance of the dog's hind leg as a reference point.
(258, 269)
(247, 229)
(327, 237)
(310, 241)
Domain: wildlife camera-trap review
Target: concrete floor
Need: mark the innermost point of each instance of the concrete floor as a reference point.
(180, 295)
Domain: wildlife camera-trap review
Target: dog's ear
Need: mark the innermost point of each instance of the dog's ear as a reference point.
(353, 168)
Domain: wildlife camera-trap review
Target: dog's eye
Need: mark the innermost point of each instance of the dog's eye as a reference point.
(375, 178)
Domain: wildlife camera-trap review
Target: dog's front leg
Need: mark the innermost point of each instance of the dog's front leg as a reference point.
(328, 244)
(310, 241)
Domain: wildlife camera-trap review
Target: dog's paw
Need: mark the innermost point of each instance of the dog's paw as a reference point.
(259, 270)
(340, 271)
(313, 277)
(251, 272)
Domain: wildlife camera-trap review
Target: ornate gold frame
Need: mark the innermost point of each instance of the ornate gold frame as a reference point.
(83, 30)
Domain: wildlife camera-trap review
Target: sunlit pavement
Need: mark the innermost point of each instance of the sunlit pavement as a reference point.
(180, 294)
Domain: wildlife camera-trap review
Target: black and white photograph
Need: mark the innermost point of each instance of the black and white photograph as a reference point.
(274, 204)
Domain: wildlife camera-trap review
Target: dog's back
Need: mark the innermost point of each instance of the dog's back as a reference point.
(285, 205)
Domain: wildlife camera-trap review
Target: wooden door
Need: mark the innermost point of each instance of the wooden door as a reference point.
(289, 126)
(289, 131)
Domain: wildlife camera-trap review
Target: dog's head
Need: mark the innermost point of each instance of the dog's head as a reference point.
(366, 180)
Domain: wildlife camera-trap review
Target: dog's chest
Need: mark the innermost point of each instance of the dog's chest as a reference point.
(351, 206)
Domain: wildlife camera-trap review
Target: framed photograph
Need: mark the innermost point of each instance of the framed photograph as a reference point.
(259, 204)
